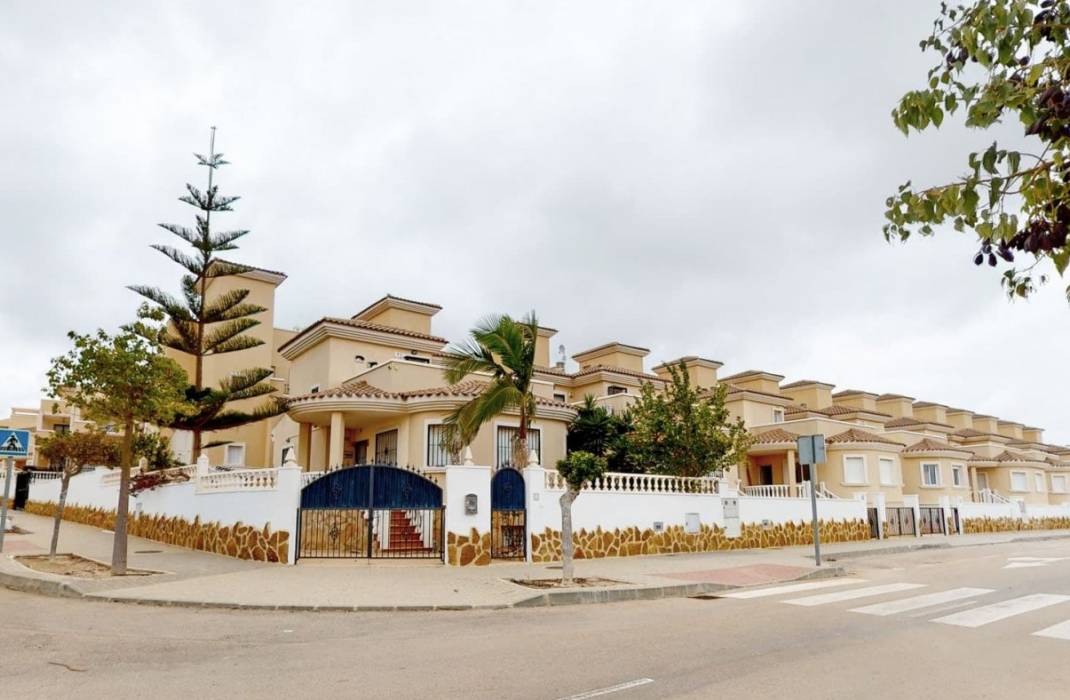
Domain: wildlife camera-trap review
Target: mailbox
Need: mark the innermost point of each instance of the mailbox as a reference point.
(471, 504)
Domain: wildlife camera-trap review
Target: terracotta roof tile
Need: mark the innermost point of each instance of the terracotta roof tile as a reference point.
(835, 410)
(856, 435)
(362, 389)
(775, 436)
(354, 323)
(902, 422)
(1008, 456)
(930, 445)
(804, 382)
(617, 370)
(396, 298)
(736, 389)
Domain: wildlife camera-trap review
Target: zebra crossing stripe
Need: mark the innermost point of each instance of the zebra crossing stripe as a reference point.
(976, 617)
(1059, 631)
(921, 601)
(854, 593)
(792, 588)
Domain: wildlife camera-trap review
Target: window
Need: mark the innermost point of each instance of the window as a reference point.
(560, 398)
(930, 474)
(958, 475)
(778, 415)
(421, 360)
(438, 453)
(507, 438)
(234, 456)
(1038, 481)
(854, 470)
(386, 447)
(887, 471)
(1058, 483)
(614, 390)
(1019, 481)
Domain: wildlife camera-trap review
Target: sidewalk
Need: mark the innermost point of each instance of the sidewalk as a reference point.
(196, 578)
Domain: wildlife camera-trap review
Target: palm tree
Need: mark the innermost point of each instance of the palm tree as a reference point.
(503, 348)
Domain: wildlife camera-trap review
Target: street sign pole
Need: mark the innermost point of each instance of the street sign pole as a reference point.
(9, 474)
(811, 450)
(813, 511)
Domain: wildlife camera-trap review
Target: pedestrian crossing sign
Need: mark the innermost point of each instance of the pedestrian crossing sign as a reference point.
(14, 443)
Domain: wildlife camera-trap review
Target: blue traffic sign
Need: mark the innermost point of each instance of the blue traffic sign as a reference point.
(14, 443)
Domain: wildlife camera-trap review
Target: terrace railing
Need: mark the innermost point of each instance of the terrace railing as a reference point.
(616, 482)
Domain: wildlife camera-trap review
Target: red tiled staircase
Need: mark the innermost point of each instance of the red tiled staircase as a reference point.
(404, 539)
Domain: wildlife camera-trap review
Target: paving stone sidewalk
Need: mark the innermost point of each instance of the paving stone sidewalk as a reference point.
(195, 578)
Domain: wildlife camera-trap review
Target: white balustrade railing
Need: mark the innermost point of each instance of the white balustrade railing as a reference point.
(774, 491)
(616, 482)
(308, 477)
(989, 496)
(44, 476)
(786, 491)
(238, 480)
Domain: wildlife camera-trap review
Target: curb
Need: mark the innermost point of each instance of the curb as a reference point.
(856, 553)
(61, 589)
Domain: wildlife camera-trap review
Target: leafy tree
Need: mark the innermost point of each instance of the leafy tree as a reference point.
(155, 449)
(126, 379)
(998, 59)
(504, 349)
(577, 469)
(603, 433)
(73, 452)
(202, 326)
(684, 431)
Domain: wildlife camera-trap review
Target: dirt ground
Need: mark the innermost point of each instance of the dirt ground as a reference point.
(72, 565)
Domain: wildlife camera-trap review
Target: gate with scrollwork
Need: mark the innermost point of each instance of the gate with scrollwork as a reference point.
(375, 511)
(508, 515)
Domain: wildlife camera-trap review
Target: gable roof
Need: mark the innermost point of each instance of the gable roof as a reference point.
(930, 445)
(362, 389)
(775, 436)
(856, 435)
(367, 325)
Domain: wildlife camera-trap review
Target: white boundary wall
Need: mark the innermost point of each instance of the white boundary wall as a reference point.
(245, 498)
(619, 509)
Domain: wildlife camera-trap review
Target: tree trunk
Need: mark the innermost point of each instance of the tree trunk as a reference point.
(118, 552)
(66, 481)
(566, 534)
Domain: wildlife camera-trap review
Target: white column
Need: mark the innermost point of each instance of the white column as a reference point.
(336, 450)
(882, 513)
(534, 495)
(462, 481)
(288, 488)
(304, 445)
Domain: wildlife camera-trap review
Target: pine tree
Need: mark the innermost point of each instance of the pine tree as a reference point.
(200, 326)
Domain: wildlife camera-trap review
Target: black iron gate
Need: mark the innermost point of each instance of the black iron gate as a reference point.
(931, 520)
(508, 517)
(371, 511)
(900, 522)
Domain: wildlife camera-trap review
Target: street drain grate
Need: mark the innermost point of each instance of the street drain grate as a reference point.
(706, 596)
(148, 551)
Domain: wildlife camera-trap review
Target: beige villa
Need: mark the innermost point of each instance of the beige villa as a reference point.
(369, 388)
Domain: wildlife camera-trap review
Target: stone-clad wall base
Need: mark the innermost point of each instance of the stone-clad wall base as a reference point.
(972, 526)
(598, 543)
(471, 549)
(237, 540)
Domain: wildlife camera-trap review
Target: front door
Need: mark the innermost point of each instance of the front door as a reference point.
(360, 452)
(982, 481)
(765, 475)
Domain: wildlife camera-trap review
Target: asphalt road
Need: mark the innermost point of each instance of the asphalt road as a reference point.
(811, 647)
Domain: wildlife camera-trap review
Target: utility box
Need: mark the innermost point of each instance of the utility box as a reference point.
(732, 527)
(692, 524)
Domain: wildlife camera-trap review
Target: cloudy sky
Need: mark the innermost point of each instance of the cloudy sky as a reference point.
(697, 178)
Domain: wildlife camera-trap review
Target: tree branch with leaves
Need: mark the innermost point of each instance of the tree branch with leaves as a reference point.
(997, 59)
